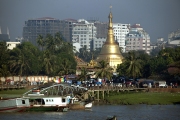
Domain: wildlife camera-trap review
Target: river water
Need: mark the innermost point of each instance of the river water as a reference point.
(101, 112)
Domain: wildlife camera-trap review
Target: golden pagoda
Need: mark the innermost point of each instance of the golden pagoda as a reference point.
(110, 50)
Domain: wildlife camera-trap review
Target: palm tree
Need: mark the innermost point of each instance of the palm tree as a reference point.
(18, 62)
(49, 61)
(41, 42)
(133, 65)
(65, 67)
(103, 70)
(50, 43)
(84, 74)
(4, 71)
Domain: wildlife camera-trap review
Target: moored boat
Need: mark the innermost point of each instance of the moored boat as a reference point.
(47, 103)
(14, 104)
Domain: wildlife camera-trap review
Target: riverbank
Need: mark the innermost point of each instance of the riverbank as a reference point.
(149, 98)
(121, 98)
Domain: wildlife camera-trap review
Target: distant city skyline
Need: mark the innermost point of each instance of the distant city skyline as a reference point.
(157, 17)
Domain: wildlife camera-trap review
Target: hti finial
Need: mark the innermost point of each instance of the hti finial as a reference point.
(110, 8)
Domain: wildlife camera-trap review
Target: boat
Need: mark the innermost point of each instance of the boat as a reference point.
(49, 103)
(75, 104)
(112, 118)
(14, 104)
(88, 105)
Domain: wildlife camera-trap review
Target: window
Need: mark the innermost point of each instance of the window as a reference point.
(63, 100)
(23, 101)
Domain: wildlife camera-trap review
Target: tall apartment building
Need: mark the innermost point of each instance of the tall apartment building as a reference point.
(44, 26)
(40, 26)
(137, 39)
(4, 37)
(66, 28)
(120, 32)
(101, 34)
(84, 32)
(98, 42)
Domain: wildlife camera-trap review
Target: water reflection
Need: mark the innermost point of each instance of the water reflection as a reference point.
(122, 112)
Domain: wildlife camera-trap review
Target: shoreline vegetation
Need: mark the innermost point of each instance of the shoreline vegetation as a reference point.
(120, 98)
(149, 98)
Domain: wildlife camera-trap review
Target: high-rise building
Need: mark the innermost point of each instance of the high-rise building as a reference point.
(138, 39)
(120, 32)
(84, 32)
(4, 37)
(66, 28)
(40, 26)
(46, 25)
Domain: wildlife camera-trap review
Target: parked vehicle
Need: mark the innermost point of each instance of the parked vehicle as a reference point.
(161, 83)
(146, 83)
(128, 83)
(9, 82)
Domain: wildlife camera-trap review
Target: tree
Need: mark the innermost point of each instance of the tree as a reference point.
(84, 74)
(48, 62)
(23, 59)
(103, 70)
(41, 42)
(4, 57)
(65, 67)
(134, 65)
(4, 71)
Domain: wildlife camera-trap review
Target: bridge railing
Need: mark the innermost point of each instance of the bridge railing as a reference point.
(113, 86)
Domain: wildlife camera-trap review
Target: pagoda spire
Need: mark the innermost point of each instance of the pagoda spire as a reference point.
(110, 35)
(8, 32)
(110, 49)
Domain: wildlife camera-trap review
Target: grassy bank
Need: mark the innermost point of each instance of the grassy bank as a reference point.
(125, 98)
(149, 98)
(12, 93)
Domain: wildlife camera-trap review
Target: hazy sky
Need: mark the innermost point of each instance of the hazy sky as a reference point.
(157, 17)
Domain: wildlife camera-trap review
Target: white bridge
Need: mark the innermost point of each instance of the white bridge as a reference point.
(56, 90)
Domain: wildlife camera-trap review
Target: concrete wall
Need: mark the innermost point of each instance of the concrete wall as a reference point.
(29, 78)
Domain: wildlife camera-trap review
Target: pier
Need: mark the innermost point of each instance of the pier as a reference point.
(99, 93)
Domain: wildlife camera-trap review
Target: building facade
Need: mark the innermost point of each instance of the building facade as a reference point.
(43, 26)
(138, 39)
(120, 32)
(11, 45)
(84, 33)
(98, 42)
(174, 38)
(4, 37)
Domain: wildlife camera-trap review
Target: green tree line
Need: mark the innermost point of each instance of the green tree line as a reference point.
(138, 64)
(52, 56)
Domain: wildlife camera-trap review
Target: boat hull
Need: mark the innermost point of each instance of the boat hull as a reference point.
(48, 108)
(14, 104)
(14, 109)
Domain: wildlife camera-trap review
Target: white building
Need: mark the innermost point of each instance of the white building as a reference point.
(174, 38)
(11, 45)
(138, 39)
(83, 32)
(120, 32)
(98, 42)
